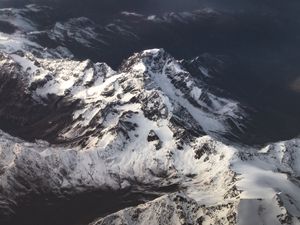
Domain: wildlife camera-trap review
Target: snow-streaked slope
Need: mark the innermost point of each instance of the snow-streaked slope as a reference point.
(217, 182)
(149, 125)
(271, 175)
(141, 127)
(18, 27)
(121, 164)
(152, 82)
(262, 188)
(175, 209)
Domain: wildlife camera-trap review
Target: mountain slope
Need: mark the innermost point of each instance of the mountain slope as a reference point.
(151, 81)
(161, 135)
(143, 127)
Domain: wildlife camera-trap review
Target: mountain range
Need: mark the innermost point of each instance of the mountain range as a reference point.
(147, 118)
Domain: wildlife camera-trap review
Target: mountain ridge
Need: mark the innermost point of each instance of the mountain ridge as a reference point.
(159, 140)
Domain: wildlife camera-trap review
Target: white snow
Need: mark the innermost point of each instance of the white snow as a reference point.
(208, 123)
(26, 64)
(264, 178)
(131, 14)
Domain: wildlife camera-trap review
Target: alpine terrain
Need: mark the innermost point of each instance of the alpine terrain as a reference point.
(133, 117)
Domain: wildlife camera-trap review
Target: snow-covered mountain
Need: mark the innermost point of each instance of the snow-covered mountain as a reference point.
(215, 183)
(155, 125)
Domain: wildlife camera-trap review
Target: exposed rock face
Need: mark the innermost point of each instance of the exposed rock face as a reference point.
(151, 82)
(173, 209)
(261, 190)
